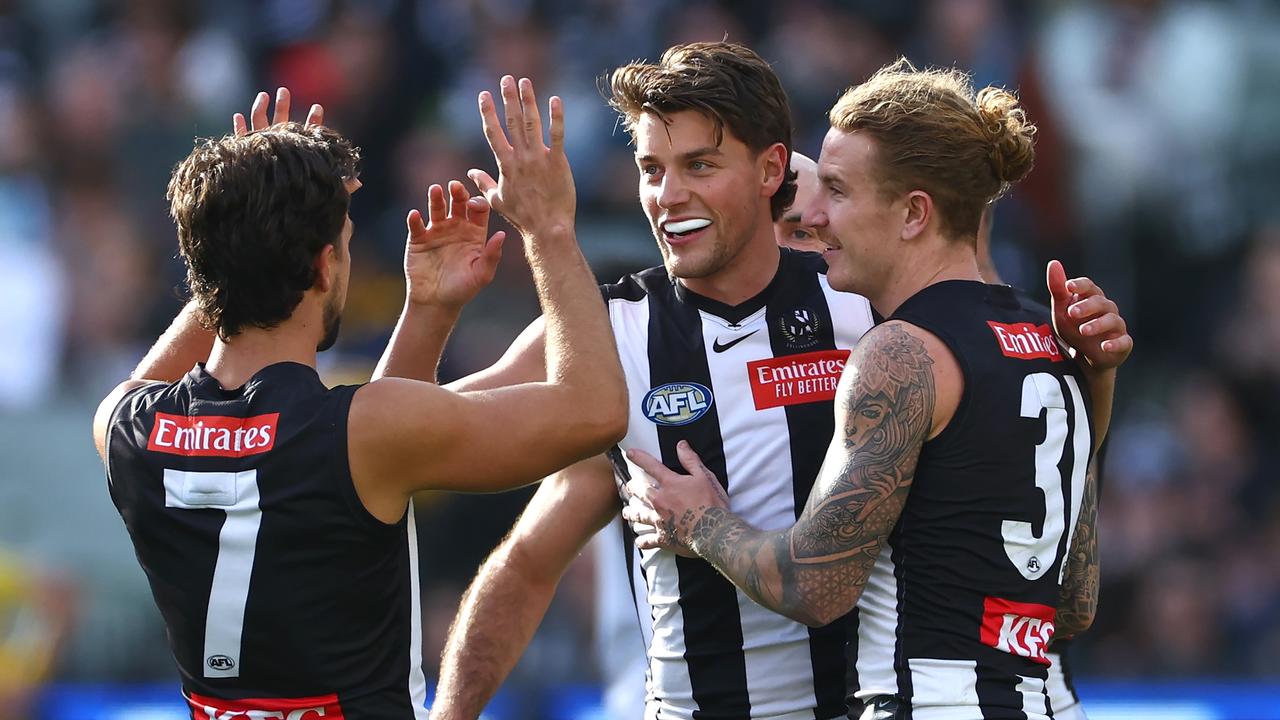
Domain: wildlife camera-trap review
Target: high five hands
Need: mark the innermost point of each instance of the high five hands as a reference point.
(534, 190)
(447, 259)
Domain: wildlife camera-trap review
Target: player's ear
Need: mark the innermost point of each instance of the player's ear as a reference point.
(326, 267)
(774, 168)
(917, 212)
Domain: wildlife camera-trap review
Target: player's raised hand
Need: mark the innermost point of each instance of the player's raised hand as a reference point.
(447, 259)
(534, 190)
(258, 113)
(665, 506)
(1087, 320)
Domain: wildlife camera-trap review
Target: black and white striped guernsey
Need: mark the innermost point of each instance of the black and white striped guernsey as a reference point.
(750, 387)
(282, 595)
(958, 614)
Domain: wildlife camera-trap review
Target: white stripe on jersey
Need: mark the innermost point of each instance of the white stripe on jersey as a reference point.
(943, 689)
(1034, 701)
(1064, 704)
(848, 311)
(878, 629)
(669, 674)
(417, 680)
(758, 465)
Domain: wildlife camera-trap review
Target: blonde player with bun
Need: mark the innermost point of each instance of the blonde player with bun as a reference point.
(953, 508)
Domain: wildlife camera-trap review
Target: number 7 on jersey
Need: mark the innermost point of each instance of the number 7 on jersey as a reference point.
(237, 495)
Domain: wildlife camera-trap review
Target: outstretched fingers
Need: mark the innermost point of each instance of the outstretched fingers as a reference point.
(437, 207)
(492, 127)
(283, 102)
(415, 224)
(513, 112)
(529, 110)
(556, 106)
(258, 113)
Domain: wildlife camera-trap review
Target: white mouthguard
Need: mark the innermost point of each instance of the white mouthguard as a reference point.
(686, 225)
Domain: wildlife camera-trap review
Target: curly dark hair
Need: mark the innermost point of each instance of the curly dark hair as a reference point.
(725, 81)
(252, 213)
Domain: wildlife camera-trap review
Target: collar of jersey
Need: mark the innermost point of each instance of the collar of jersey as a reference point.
(201, 377)
(735, 314)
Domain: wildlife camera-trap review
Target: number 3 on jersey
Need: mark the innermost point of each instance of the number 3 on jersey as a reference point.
(237, 495)
(1032, 555)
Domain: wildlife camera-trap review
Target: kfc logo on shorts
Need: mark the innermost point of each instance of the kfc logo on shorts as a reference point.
(1024, 629)
(308, 708)
(1026, 341)
(213, 435)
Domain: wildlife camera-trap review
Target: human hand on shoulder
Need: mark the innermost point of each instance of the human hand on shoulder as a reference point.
(1087, 321)
(534, 190)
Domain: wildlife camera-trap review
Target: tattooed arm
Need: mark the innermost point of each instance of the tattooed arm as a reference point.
(899, 384)
(1078, 597)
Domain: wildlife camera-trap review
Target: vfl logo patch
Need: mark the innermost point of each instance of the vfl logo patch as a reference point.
(796, 379)
(677, 403)
(800, 327)
(307, 708)
(1025, 341)
(1023, 629)
(213, 435)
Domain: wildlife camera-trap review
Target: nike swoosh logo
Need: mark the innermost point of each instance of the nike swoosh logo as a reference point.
(721, 348)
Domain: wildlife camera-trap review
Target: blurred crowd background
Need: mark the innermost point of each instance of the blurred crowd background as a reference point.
(1159, 139)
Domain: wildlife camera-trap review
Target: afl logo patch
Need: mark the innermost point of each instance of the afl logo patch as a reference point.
(800, 328)
(677, 403)
(221, 662)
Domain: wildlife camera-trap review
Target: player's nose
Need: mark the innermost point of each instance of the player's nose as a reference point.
(672, 191)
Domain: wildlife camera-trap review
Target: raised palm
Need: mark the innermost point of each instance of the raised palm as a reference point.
(447, 259)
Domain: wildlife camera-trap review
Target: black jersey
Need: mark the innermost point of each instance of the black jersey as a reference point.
(751, 388)
(959, 611)
(280, 591)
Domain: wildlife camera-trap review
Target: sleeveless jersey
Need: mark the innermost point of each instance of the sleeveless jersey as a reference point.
(279, 591)
(958, 613)
(751, 388)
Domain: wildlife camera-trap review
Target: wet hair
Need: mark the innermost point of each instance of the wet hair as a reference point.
(727, 82)
(252, 214)
(933, 133)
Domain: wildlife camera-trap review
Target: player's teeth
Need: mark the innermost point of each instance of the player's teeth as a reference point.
(684, 226)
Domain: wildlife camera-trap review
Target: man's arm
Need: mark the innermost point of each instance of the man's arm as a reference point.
(887, 403)
(446, 262)
(407, 435)
(511, 593)
(178, 349)
(1091, 325)
(524, 361)
(1078, 597)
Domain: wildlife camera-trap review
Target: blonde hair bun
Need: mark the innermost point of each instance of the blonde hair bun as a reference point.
(1011, 135)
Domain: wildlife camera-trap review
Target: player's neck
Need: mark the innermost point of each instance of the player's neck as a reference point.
(233, 362)
(950, 261)
(744, 277)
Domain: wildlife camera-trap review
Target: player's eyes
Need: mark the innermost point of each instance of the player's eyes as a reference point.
(699, 165)
(801, 234)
